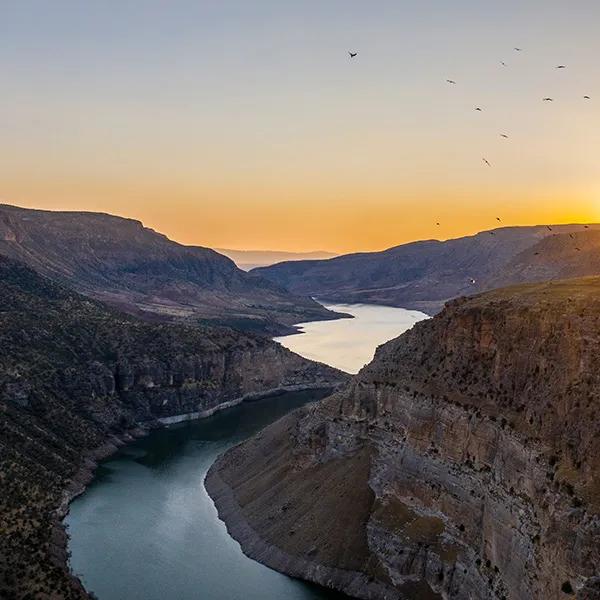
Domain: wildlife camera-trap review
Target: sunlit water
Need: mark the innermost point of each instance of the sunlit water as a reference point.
(349, 344)
(146, 529)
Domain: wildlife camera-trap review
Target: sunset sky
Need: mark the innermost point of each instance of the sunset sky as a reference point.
(245, 124)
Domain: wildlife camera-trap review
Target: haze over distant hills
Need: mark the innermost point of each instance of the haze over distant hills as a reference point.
(425, 274)
(250, 259)
(135, 268)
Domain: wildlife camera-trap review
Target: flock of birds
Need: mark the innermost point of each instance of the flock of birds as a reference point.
(472, 281)
(505, 136)
(478, 108)
(545, 99)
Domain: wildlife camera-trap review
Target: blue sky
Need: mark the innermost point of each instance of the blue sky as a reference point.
(203, 117)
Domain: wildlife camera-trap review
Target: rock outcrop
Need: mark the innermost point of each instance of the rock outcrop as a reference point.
(77, 379)
(140, 271)
(463, 462)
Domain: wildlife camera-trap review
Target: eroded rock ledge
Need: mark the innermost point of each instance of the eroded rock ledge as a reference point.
(461, 463)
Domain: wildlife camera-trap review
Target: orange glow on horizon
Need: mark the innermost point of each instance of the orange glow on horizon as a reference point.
(328, 226)
(225, 125)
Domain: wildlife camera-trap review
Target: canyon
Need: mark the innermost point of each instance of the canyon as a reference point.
(462, 462)
(79, 379)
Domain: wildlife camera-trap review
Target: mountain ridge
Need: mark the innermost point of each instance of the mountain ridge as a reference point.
(424, 274)
(124, 263)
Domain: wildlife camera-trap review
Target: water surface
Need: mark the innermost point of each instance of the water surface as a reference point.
(349, 344)
(146, 529)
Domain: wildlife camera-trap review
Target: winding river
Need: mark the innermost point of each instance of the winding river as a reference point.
(145, 529)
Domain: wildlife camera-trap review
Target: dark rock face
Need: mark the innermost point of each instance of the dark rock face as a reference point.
(76, 380)
(482, 430)
(424, 275)
(123, 263)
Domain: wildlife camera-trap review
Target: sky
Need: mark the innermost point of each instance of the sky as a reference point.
(246, 125)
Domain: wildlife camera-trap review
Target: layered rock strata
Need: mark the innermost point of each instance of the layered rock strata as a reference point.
(463, 462)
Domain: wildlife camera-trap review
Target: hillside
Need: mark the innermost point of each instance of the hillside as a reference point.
(77, 379)
(136, 269)
(461, 463)
(424, 275)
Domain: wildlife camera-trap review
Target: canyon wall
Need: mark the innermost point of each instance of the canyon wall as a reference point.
(77, 379)
(463, 462)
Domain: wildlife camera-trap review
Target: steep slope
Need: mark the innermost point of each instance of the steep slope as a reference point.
(463, 462)
(576, 254)
(138, 270)
(76, 378)
(424, 275)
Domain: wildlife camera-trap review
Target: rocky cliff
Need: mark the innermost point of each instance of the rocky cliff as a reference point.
(461, 463)
(424, 275)
(138, 270)
(77, 379)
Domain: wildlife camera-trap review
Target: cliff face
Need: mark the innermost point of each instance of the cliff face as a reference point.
(469, 445)
(76, 378)
(424, 275)
(136, 269)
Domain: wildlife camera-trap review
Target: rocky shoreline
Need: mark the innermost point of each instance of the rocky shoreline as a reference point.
(353, 583)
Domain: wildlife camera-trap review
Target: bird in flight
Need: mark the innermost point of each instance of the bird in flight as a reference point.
(498, 219)
(472, 281)
(561, 67)
(571, 236)
(586, 98)
(548, 99)
(519, 49)
(487, 162)
(478, 109)
(504, 136)
(503, 63)
(549, 228)
(536, 253)
(492, 233)
(578, 249)
(352, 54)
(451, 81)
(586, 226)
(438, 224)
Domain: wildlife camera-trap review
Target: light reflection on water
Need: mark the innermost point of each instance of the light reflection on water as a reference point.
(349, 344)
(147, 530)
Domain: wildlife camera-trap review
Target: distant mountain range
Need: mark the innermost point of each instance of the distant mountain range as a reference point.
(250, 259)
(136, 269)
(424, 275)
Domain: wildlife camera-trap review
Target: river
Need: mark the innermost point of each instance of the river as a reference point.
(145, 529)
(349, 344)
